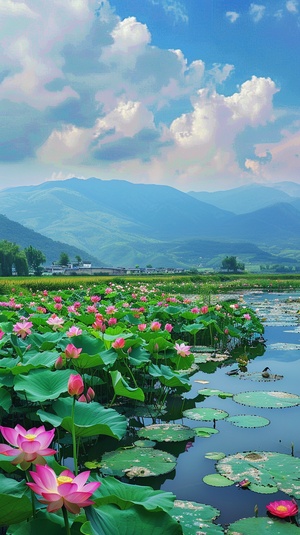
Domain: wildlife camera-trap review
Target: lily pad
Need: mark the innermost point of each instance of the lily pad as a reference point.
(263, 526)
(270, 400)
(205, 432)
(196, 518)
(214, 392)
(144, 443)
(215, 455)
(248, 420)
(263, 469)
(137, 462)
(216, 480)
(205, 414)
(257, 376)
(166, 432)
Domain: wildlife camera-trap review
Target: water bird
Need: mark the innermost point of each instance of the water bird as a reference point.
(233, 372)
(265, 373)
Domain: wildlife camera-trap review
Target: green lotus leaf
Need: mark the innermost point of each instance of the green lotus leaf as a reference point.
(267, 469)
(137, 462)
(125, 495)
(166, 432)
(214, 392)
(205, 414)
(216, 480)
(121, 387)
(138, 357)
(42, 385)
(205, 432)
(15, 504)
(262, 526)
(44, 342)
(261, 489)
(193, 328)
(248, 420)
(90, 419)
(215, 455)
(257, 376)
(110, 520)
(269, 400)
(5, 399)
(88, 343)
(196, 518)
(144, 443)
(168, 377)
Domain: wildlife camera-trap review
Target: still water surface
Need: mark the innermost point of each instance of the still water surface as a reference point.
(281, 354)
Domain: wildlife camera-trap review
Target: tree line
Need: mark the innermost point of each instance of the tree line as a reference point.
(24, 261)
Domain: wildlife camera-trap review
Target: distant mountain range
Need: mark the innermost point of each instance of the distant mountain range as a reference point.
(123, 224)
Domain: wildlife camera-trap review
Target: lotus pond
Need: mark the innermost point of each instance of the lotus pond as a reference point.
(125, 409)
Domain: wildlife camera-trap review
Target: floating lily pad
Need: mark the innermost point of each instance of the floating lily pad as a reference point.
(284, 347)
(263, 526)
(216, 480)
(263, 469)
(270, 400)
(248, 420)
(205, 414)
(166, 432)
(214, 392)
(137, 462)
(257, 376)
(215, 455)
(196, 518)
(205, 432)
(144, 443)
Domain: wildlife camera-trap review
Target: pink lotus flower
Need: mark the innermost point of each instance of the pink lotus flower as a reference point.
(182, 350)
(58, 306)
(195, 310)
(247, 316)
(22, 328)
(108, 290)
(74, 331)
(118, 343)
(204, 309)
(283, 508)
(91, 309)
(72, 352)
(28, 446)
(142, 326)
(2, 333)
(58, 365)
(218, 307)
(155, 326)
(95, 298)
(57, 299)
(75, 385)
(112, 321)
(111, 309)
(168, 327)
(64, 490)
(55, 322)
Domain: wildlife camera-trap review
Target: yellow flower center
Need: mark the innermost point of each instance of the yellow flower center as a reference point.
(30, 436)
(281, 508)
(63, 479)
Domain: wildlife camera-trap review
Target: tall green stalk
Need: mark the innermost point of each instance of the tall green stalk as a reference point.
(74, 437)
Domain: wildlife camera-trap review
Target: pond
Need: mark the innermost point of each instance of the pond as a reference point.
(281, 354)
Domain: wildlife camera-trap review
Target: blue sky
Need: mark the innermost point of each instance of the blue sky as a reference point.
(195, 94)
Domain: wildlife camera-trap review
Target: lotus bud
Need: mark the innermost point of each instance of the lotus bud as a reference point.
(90, 395)
(75, 385)
(59, 363)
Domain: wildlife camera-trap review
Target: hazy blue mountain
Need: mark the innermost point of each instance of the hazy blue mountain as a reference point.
(244, 199)
(16, 233)
(126, 224)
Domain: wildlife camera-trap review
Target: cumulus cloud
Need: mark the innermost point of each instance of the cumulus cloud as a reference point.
(257, 11)
(292, 6)
(232, 16)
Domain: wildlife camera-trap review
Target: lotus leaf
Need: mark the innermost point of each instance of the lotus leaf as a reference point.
(5, 399)
(121, 387)
(216, 480)
(270, 400)
(110, 520)
(196, 516)
(262, 526)
(205, 432)
(42, 385)
(166, 432)
(263, 469)
(214, 392)
(257, 376)
(15, 504)
(214, 455)
(137, 462)
(205, 414)
(145, 443)
(90, 419)
(248, 420)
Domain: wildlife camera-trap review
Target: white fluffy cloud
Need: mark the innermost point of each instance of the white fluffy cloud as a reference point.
(292, 6)
(232, 16)
(257, 11)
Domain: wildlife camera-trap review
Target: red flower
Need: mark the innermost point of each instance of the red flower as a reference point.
(283, 508)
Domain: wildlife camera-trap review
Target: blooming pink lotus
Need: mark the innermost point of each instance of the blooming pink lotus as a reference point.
(118, 343)
(204, 309)
(75, 385)
(142, 326)
(112, 321)
(72, 352)
(283, 508)
(22, 328)
(168, 327)
(64, 490)
(247, 316)
(55, 322)
(28, 446)
(74, 331)
(111, 309)
(155, 326)
(182, 350)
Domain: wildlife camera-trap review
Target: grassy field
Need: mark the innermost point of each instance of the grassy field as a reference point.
(187, 284)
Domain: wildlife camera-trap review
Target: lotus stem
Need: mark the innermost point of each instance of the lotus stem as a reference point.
(74, 439)
(67, 525)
